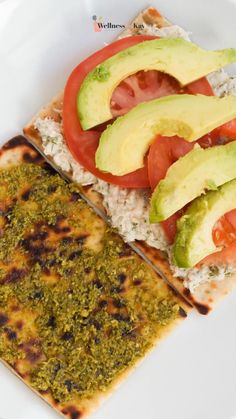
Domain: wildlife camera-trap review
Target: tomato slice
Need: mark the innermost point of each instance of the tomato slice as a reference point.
(170, 225)
(231, 218)
(224, 232)
(201, 86)
(225, 256)
(148, 85)
(140, 87)
(83, 144)
(229, 129)
(224, 236)
(164, 151)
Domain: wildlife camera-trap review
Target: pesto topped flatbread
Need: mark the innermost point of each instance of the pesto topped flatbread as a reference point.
(78, 308)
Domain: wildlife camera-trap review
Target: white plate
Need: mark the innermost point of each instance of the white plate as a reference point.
(191, 375)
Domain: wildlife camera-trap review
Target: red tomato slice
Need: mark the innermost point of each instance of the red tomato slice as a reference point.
(229, 129)
(224, 232)
(140, 87)
(148, 85)
(224, 236)
(231, 218)
(201, 86)
(225, 256)
(170, 225)
(164, 151)
(83, 144)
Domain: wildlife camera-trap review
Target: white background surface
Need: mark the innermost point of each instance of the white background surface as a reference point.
(192, 374)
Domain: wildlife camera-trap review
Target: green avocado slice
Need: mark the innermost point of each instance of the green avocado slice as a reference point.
(181, 59)
(198, 171)
(193, 241)
(123, 145)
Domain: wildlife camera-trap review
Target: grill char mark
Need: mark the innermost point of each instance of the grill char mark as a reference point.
(3, 319)
(182, 312)
(32, 158)
(14, 276)
(26, 195)
(16, 142)
(72, 412)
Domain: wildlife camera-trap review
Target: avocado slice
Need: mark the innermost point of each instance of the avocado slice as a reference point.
(193, 240)
(190, 176)
(181, 59)
(123, 145)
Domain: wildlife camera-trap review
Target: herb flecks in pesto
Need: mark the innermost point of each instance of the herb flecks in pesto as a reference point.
(80, 314)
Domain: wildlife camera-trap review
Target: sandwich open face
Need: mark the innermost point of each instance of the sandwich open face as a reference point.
(146, 127)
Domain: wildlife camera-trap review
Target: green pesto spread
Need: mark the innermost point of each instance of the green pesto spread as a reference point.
(78, 314)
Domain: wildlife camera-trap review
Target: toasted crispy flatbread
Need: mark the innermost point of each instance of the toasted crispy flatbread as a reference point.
(204, 296)
(78, 308)
(149, 16)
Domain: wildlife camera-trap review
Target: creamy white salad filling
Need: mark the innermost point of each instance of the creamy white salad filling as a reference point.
(128, 209)
(54, 146)
(129, 212)
(195, 276)
(222, 84)
(173, 31)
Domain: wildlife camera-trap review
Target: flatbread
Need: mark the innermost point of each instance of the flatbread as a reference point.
(78, 308)
(205, 296)
(149, 16)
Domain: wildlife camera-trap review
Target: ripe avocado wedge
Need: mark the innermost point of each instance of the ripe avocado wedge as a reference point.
(198, 171)
(123, 144)
(181, 59)
(193, 240)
